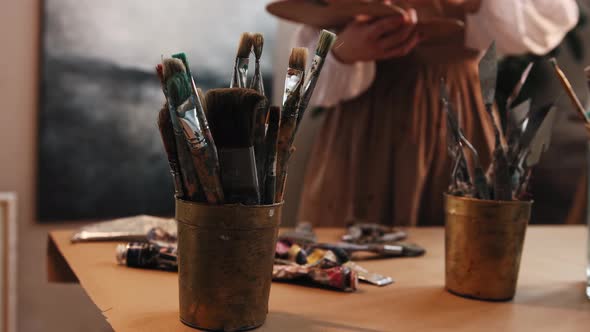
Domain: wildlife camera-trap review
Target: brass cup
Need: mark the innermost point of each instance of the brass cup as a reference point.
(225, 259)
(483, 246)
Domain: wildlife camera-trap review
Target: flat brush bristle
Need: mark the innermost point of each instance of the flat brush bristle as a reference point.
(325, 43)
(231, 114)
(298, 58)
(258, 42)
(245, 46)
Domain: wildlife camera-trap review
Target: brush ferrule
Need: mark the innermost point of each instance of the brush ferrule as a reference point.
(238, 175)
(309, 84)
(293, 83)
(256, 83)
(240, 73)
(191, 127)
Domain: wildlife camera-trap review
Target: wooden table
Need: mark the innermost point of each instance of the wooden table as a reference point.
(550, 295)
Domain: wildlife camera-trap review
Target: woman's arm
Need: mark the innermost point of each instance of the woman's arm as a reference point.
(521, 26)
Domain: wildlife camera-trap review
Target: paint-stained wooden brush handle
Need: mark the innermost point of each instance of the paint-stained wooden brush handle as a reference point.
(259, 144)
(206, 167)
(191, 184)
(270, 148)
(284, 152)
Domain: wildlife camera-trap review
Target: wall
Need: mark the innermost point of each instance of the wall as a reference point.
(41, 306)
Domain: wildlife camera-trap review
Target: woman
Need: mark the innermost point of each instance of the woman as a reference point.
(381, 154)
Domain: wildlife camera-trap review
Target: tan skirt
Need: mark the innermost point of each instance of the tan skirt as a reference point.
(382, 157)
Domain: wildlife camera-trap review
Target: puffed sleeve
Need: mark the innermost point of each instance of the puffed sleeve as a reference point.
(338, 81)
(521, 26)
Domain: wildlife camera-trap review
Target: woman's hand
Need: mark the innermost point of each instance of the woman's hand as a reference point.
(367, 39)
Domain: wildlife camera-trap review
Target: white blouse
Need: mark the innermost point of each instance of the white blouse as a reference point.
(517, 26)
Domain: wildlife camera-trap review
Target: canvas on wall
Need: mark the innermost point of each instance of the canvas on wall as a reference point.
(100, 153)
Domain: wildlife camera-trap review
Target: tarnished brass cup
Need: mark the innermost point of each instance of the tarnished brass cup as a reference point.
(483, 246)
(225, 256)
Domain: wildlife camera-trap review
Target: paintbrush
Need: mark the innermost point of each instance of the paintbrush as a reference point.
(240, 72)
(292, 93)
(270, 148)
(580, 110)
(232, 115)
(199, 102)
(256, 83)
(261, 112)
(391, 250)
(183, 106)
(191, 185)
(208, 170)
(324, 46)
(169, 141)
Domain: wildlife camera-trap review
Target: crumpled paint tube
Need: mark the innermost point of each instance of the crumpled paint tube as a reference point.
(338, 277)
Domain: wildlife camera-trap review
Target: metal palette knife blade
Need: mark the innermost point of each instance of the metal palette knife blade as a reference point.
(488, 73)
(515, 118)
(540, 142)
(531, 127)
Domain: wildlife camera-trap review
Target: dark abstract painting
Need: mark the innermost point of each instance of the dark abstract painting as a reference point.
(100, 153)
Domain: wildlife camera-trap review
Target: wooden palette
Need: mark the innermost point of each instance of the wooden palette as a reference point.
(322, 15)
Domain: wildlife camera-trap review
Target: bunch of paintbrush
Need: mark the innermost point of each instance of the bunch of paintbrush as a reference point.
(518, 146)
(228, 146)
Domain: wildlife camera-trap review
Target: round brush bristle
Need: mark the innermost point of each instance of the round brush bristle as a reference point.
(298, 58)
(245, 45)
(258, 42)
